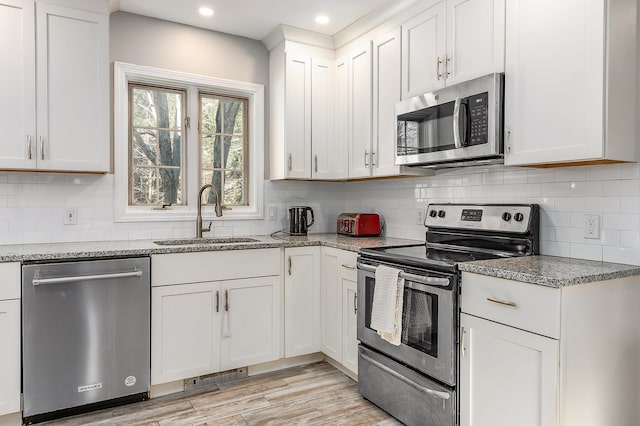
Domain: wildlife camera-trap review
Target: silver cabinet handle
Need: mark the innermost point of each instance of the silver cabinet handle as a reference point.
(391, 372)
(290, 162)
(39, 281)
(42, 147)
(217, 301)
(462, 334)
(29, 150)
(373, 158)
(366, 158)
(438, 63)
(289, 265)
(502, 302)
(437, 281)
(226, 300)
(315, 159)
(448, 60)
(355, 304)
(348, 266)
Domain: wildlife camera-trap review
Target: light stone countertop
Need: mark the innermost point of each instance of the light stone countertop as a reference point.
(106, 249)
(550, 271)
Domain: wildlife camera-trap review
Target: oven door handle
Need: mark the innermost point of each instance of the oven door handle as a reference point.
(437, 281)
(437, 394)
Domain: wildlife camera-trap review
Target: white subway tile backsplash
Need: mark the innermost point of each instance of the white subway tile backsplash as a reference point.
(604, 172)
(621, 188)
(540, 175)
(583, 251)
(570, 174)
(586, 189)
(621, 255)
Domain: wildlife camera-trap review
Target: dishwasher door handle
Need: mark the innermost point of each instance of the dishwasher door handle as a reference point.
(39, 281)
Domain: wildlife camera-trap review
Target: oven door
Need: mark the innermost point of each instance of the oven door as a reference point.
(428, 324)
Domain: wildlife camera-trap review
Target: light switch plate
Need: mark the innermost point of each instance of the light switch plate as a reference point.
(273, 212)
(70, 216)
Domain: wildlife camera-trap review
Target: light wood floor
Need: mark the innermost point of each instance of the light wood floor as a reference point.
(315, 394)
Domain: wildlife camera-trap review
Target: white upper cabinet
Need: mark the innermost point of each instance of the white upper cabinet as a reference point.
(298, 115)
(360, 102)
(17, 85)
(570, 74)
(65, 125)
(341, 117)
(423, 52)
(386, 92)
(301, 114)
(451, 42)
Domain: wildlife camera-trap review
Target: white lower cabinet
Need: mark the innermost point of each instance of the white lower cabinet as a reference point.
(543, 356)
(250, 322)
(10, 338)
(185, 331)
(508, 376)
(349, 325)
(337, 306)
(200, 328)
(301, 301)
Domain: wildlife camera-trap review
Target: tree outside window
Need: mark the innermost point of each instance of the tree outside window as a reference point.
(223, 147)
(156, 146)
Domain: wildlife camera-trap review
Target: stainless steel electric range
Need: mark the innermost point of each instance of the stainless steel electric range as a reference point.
(416, 382)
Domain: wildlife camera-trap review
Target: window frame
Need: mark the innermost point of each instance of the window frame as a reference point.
(123, 74)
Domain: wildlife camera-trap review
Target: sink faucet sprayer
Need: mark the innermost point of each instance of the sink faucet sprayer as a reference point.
(199, 228)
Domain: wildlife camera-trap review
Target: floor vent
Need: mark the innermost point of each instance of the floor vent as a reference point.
(215, 378)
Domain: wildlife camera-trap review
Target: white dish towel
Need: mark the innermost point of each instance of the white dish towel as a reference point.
(386, 312)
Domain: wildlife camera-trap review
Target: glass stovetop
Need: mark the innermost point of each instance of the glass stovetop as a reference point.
(424, 256)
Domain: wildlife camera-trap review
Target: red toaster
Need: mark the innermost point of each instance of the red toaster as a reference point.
(359, 224)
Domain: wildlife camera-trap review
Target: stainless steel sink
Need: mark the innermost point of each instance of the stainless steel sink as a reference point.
(185, 241)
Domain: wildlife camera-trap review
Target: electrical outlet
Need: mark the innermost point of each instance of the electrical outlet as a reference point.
(273, 212)
(592, 226)
(420, 217)
(70, 216)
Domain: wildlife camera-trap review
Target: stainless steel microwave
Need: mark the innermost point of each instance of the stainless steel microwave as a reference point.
(454, 126)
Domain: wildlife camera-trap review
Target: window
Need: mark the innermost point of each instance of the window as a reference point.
(155, 146)
(174, 132)
(223, 145)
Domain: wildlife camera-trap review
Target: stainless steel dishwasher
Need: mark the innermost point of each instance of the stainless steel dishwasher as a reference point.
(85, 336)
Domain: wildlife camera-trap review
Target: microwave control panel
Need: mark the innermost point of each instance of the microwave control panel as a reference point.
(478, 121)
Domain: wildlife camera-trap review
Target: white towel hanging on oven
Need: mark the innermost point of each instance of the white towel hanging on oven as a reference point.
(386, 312)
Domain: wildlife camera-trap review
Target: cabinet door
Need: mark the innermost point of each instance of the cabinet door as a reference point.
(554, 95)
(322, 141)
(475, 39)
(386, 92)
(360, 101)
(185, 331)
(507, 376)
(349, 325)
(341, 119)
(331, 303)
(73, 83)
(17, 85)
(10, 356)
(250, 310)
(298, 115)
(302, 301)
(423, 52)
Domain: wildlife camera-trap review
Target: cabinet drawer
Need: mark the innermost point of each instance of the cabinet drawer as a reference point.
(179, 268)
(348, 262)
(526, 306)
(9, 281)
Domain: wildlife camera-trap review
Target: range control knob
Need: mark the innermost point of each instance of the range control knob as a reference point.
(433, 213)
(506, 216)
(518, 217)
(441, 213)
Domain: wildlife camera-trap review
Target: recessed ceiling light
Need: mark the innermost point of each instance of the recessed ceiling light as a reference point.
(322, 19)
(205, 11)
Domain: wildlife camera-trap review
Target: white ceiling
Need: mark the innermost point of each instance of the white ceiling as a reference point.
(255, 18)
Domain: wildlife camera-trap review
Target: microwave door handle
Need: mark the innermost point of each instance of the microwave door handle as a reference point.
(456, 123)
(464, 123)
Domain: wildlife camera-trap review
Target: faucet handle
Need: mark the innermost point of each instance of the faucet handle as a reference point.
(208, 228)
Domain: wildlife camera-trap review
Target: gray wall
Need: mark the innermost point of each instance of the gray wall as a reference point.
(152, 42)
